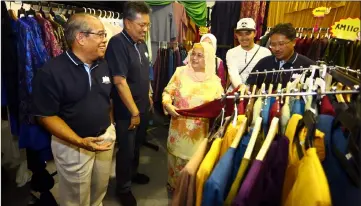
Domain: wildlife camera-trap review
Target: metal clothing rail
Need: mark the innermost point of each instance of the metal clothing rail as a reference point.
(355, 91)
(286, 70)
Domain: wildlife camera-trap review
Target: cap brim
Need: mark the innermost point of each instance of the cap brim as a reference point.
(245, 29)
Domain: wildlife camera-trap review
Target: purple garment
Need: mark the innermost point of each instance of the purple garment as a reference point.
(264, 181)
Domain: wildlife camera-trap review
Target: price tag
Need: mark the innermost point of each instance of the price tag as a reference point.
(321, 11)
(348, 29)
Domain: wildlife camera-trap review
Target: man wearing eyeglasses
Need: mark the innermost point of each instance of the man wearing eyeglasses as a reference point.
(282, 43)
(127, 56)
(71, 99)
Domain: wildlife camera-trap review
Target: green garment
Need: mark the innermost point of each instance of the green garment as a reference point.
(197, 11)
(158, 3)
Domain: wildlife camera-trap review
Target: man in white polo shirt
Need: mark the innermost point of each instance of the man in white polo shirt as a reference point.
(242, 59)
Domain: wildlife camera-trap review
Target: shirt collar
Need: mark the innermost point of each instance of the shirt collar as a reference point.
(77, 61)
(127, 36)
(292, 60)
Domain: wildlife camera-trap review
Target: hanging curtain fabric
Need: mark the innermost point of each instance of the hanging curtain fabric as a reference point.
(300, 13)
(197, 11)
(256, 11)
(158, 3)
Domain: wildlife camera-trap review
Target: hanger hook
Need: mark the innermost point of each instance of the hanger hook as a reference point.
(265, 75)
(257, 76)
(291, 74)
(273, 73)
(100, 13)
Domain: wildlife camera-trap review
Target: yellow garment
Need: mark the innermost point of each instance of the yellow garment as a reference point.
(299, 13)
(186, 133)
(293, 158)
(311, 186)
(237, 181)
(230, 135)
(206, 168)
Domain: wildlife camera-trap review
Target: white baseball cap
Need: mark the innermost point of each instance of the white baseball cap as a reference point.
(246, 24)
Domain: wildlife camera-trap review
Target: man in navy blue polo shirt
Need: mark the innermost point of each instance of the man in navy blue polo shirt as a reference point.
(71, 98)
(282, 43)
(127, 57)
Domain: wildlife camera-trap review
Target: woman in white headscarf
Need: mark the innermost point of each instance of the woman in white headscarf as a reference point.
(190, 86)
(220, 70)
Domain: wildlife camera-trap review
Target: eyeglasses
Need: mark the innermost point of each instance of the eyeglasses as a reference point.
(144, 25)
(279, 44)
(99, 34)
(199, 55)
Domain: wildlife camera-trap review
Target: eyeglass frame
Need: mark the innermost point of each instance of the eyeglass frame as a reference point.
(280, 45)
(99, 34)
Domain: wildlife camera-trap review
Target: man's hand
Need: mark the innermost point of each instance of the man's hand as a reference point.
(172, 110)
(134, 122)
(151, 104)
(92, 144)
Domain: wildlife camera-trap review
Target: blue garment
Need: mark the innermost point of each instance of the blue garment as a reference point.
(170, 63)
(296, 107)
(32, 55)
(237, 159)
(4, 101)
(215, 188)
(343, 192)
(265, 115)
(151, 73)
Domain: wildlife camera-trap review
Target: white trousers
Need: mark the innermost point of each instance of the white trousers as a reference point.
(83, 175)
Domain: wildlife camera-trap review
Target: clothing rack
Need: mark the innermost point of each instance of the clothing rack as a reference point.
(286, 70)
(354, 91)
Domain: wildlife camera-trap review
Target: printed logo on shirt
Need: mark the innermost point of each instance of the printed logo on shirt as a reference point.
(146, 54)
(106, 80)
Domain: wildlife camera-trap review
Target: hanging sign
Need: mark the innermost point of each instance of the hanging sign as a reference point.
(321, 11)
(348, 29)
(203, 30)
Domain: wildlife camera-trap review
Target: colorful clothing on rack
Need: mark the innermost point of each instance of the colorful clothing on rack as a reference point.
(263, 184)
(50, 41)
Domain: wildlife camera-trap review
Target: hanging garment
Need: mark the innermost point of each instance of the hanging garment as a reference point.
(221, 73)
(230, 134)
(265, 115)
(170, 63)
(59, 32)
(255, 10)
(357, 56)
(51, 44)
(295, 151)
(263, 183)
(349, 53)
(163, 26)
(222, 26)
(285, 116)
(219, 183)
(249, 111)
(206, 168)
(326, 106)
(310, 187)
(180, 18)
(197, 11)
(343, 191)
(185, 189)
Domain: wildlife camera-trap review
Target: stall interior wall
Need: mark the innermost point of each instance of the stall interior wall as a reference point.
(299, 13)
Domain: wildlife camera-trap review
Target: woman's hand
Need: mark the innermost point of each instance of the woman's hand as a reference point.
(172, 110)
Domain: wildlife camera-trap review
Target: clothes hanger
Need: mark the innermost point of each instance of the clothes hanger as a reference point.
(270, 86)
(270, 136)
(253, 139)
(235, 112)
(51, 12)
(68, 13)
(241, 130)
(339, 97)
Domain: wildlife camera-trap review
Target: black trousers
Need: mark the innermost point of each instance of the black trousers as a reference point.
(127, 157)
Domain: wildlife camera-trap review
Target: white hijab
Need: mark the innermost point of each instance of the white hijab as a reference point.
(213, 40)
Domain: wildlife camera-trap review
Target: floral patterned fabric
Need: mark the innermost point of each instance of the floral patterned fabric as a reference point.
(186, 133)
(50, 41)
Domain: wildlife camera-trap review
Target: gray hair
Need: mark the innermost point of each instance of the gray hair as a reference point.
(77, 23)
(132, 8)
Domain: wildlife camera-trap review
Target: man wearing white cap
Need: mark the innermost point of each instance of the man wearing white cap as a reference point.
(242, 59)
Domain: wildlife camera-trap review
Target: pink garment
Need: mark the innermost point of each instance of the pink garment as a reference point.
(221, 73)
(181, 21)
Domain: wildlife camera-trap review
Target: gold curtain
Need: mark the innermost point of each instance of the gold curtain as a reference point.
(299, 13)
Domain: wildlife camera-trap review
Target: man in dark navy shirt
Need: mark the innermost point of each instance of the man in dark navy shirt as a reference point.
(127, 56)
(282, 43)
(71, 98)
